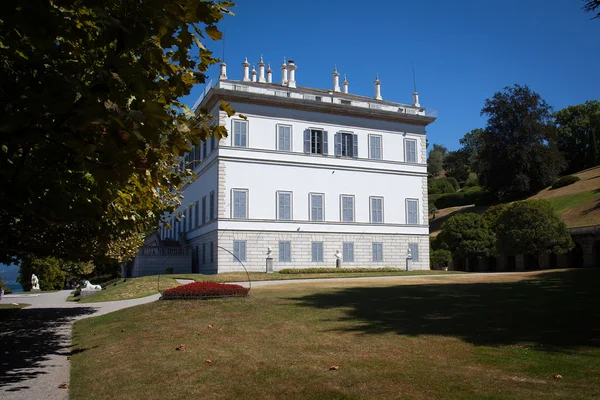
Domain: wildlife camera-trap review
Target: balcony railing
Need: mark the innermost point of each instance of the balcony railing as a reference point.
(164, 251)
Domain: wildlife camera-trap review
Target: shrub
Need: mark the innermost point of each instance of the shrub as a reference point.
(204, 290)
(295, 271)
(440, 259)
(459, 199)
(565, 181)
(471, 182)
(7, 290)
(442, 185)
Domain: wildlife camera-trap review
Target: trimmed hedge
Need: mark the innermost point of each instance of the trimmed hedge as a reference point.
(477, 197)
(440, 258)
(204, 290)
(442, 185)
(296, 271)
(565, 181)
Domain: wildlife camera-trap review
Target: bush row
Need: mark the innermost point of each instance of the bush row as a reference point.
(295, 271)
(442, 185)
(565, 181)
(204, 290)
(477, 197)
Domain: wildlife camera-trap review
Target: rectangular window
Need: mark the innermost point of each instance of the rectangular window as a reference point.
(348, 252)
(203, 150)
(410, 150)
(212, 252)
(213, 143)
(414, 251)
(377, 210)
(316, 207)
(240, 133)
(346, 145)
(203, 253)
(284, 137)
(212, 205)
(239, 250)
(203, 210)
(317, 251)
(197, 212)
(284, 200)
(412, 211)
(377, 252)
(315, 141)
(189, 221)
(347, 208)
(285, 251)
(240, 203)
(375, 147)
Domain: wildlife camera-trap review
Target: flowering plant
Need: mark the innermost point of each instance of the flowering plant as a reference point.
(200, 290)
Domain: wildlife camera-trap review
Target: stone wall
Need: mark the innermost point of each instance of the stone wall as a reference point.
(395, 248)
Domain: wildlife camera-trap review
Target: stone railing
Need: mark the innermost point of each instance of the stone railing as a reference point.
(164, 251)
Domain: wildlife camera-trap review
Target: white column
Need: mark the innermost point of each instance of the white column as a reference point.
(292, 71)
(336, 80)
(416, 99)
(269, 74)
(253, 73)
(345, 84)
(261, 70)
(377, 88)
(246, 66)
(284, 73)
(223, 75)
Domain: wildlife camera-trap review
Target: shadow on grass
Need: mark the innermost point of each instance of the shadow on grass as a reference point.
(555, 310)
(29, 337)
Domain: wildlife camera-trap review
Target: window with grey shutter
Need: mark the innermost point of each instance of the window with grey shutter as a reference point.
(412, 211)
(240, 133)
(377, 252)
(376, 210)
(285, 205)
(204, 210)
(375, 147)
(325, 142)
(354, 146)
(348, 251)
(240, 203)
(316, 207)
(338, 144)
(285, 251)
(239, 250)
(197, 212)
(212, 205)
(414, 251)
(307, 147)
(410, 150)
(284, 140)
(347, 208)
(203, 149)
(317, 251)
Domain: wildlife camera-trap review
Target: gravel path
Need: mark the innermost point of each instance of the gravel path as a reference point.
(36, 341)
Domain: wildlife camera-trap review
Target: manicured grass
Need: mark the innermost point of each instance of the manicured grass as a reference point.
(563, 203)
(132, 289)
(458, 337)
(13, 306)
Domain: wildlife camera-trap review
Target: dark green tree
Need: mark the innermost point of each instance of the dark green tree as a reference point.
(92, 125)
(440, 258)
(518, 154)
(466, 235)
(434, 163)
(579, 134)
(532, 227)
(48, 270)
(471, 144)
(456, 165)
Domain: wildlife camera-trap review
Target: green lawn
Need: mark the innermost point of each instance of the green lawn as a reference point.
(17, 306)
(563, 203)
(457, 337)
(149, 285)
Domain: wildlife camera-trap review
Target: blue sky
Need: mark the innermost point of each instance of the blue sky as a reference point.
(464, 51)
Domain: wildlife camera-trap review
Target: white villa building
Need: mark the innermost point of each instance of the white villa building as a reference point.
(305, 172)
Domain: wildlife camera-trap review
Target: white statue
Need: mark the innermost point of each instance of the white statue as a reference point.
(269, 252)
(35, 283)
(88, 286)
(338, 255)
(409, 254)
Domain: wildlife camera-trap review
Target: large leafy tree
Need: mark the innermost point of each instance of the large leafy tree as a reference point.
(92, 125)
(532, 227)
(436, 159)
(518, 154)
(471, 145)
(466, 235)
(456, 165)
(579, 134)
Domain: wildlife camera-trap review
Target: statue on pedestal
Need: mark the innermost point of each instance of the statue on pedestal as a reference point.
(35, 283)
(269, 252)
(338, 258)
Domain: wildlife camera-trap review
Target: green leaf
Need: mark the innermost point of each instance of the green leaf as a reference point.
(214, 33)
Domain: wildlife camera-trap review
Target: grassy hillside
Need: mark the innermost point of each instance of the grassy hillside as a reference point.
(577, 204)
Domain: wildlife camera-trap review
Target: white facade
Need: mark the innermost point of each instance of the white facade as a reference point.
(307, 172)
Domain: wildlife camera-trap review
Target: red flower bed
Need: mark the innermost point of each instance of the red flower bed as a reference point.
(200, 290)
